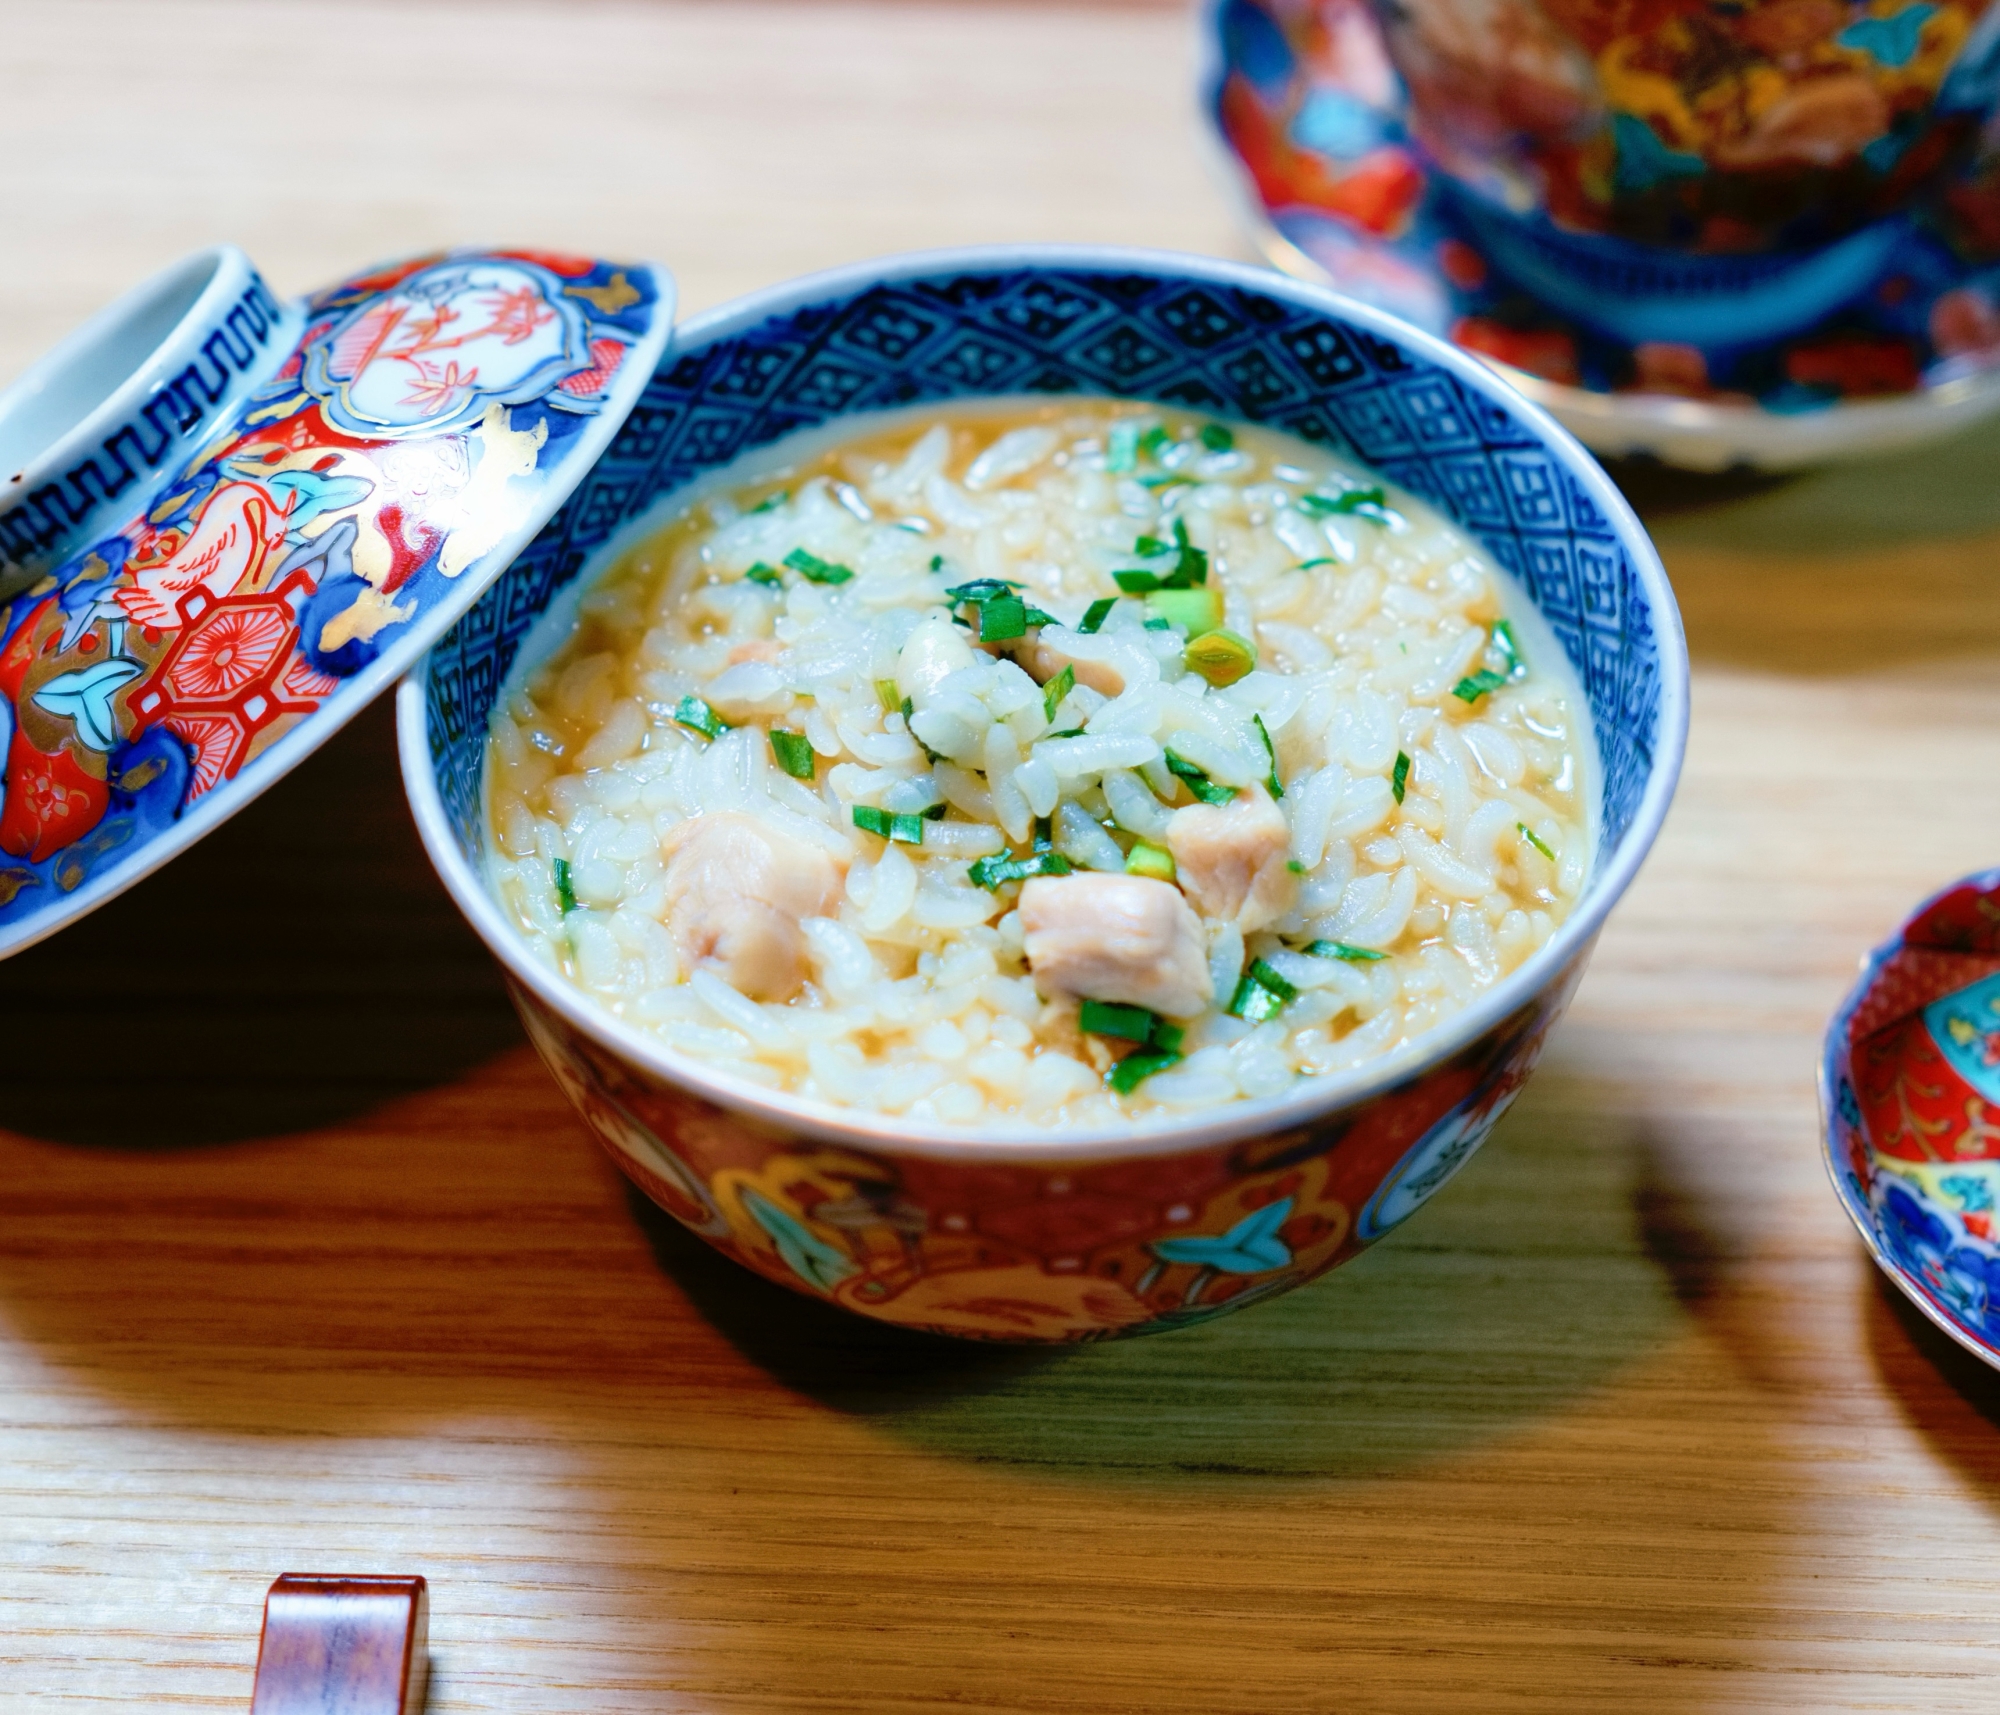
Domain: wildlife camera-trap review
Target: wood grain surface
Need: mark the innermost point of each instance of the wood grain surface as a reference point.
(304, 1262)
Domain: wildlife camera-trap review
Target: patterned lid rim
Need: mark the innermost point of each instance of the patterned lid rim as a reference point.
(409, 503)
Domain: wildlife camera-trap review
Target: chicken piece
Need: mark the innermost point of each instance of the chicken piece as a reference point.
(735, 893)
(1233, 859)
(1045, 661)
(1115, 937)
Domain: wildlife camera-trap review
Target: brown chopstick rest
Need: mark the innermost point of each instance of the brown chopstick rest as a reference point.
(343, 1646)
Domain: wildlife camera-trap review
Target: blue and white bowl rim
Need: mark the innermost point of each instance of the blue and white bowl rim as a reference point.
(1238, 1120)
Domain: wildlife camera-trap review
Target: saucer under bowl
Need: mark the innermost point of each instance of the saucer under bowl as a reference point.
(1020, 1234)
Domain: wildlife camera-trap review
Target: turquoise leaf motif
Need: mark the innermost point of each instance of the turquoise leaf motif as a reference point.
(806, 1254)
(1643, 160)
(1890, 41)
(1249, 1247)
(85, 698)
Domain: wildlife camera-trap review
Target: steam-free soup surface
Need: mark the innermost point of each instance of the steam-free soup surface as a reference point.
(1057, 763)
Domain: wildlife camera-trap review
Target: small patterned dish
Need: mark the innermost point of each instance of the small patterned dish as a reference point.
(1884, 339)
(1020, 1234)
(1910, 1096)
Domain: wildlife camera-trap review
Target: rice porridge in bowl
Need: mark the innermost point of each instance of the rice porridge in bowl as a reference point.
(1062, 763)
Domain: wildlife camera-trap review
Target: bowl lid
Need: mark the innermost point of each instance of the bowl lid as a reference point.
(227, 523)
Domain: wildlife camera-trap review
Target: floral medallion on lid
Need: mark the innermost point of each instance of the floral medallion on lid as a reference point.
(431, 417)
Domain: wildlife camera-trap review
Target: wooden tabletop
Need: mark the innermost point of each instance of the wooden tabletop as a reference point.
(305, 1264)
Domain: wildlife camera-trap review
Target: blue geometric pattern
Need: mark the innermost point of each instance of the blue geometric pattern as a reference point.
(168, 426)
(1272, 357)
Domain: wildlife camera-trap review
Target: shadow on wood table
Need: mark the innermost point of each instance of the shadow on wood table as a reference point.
(298, 966)
(1849, 569)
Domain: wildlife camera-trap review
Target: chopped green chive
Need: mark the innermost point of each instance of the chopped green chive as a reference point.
(1216, 438)
(1106, 1018)
(1295, 866)
(696, 715)
(902, 827)
(1045, 834)
(1262, 994)
(1308, 565)
(1475, 685)
(1169, 479)
(983, 589)
(1135, 583)
(777, 497)
(815, 570)
(1037, 617)
(1095, 615)
(994, 872)
(1197, 782)
(761, 573)
(565, 893)
(1135, 1069)
(1221, 657)
(1271, 751)
(1002, 619)
(1533, 839)
(937, 562)
(794, 752)
(1149, 547)
(1399, 780)
(907, 708)
(1056, 689)
(1122, 448)
(1343, 950)
(1195, 611)
(1156, 863)
(888, 696)
(1362, 502)
(1153, 439)
(1158, 624)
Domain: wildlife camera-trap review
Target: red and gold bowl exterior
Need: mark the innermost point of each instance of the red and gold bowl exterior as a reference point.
(1046, 1247)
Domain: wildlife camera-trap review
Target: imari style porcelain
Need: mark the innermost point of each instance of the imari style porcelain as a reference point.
(1718, 234)
(227, 522)
(1075, 1236)
(1910, 1090)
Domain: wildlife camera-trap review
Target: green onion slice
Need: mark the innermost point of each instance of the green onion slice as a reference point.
(1135, 1069)
(1342, 950)
(815, 570)
(1475, 685)
(565, 893)
(1107, 1018)
(1197, 782)
(992, 873)
(1399, 780)
(1271, 751)
(1534, 839)
(794, 752)
(697, 716)
(1097, 613)
(1056, 689)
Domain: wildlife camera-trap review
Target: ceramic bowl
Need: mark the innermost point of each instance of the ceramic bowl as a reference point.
(1910, 1095)
(1877, 340)
(1023, 1235)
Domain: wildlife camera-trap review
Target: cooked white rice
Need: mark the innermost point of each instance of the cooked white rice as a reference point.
(1375, 627)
